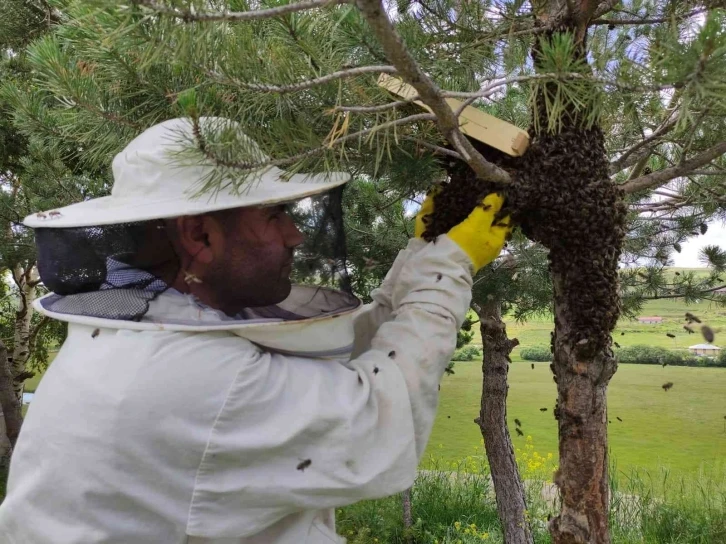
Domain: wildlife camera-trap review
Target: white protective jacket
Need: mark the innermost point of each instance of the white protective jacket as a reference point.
(164, 432)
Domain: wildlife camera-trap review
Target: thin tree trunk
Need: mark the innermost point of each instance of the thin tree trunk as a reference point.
(26, 281)
(407, 516)
(11, 406)
(511, 504)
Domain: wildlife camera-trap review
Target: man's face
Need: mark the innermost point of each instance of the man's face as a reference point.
(254, 265)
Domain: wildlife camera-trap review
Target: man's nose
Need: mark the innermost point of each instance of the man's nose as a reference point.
(293, 236)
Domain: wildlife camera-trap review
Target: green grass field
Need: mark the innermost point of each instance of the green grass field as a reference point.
(683, 429)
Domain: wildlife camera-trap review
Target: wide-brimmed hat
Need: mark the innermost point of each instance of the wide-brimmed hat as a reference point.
(155, 178)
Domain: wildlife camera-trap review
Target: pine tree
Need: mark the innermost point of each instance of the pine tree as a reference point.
(32, 177)
(624, 106)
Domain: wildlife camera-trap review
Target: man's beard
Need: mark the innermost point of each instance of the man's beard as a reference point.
(244, 284)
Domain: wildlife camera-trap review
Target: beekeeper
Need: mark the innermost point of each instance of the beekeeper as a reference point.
(199, 397)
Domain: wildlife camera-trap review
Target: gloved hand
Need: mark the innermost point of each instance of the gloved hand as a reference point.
(477, 236)
(427, 208)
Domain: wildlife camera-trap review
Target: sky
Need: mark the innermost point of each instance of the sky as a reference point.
(688, 257)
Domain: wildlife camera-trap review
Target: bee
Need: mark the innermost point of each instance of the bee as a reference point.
(622, 334)
(543, 409)
(517, 423)
(41, 215)
(616, 344)
(666, 386)
(532, 366)
(190, 278)
(376, 370)
(54, 213)
(95, 333)
(692, 318)
(708, 333)
(669, 335)
(618, 418)
(689, 329)
(519, 432)
(304, 464)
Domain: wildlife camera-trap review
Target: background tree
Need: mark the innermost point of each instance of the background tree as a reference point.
(621, 100)
(32, 177)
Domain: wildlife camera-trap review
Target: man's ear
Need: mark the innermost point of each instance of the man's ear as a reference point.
(195, 235)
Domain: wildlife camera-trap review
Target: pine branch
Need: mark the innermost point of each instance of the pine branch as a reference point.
(248, 167)
(430, 94)
(605, 7)
(663, 176)
(622, 162)
(206, 16)
(295, 87)
(646, 21)
(435, 148)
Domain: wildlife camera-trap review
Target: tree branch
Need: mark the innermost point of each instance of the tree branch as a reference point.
(249, 167)
(622, 161)
(205, 16)
(645, 21)
(294, 87)
(663, 176)
(430, 94)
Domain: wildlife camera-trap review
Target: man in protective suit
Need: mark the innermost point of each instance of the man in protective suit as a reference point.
(211, 401)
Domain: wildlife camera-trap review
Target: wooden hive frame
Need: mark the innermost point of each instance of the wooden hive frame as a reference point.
(475, 123)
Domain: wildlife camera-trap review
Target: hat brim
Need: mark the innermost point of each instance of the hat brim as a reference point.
(110, 210)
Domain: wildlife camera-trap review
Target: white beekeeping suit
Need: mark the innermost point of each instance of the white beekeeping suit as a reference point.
(186, 425)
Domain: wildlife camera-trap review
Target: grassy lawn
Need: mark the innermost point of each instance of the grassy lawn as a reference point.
(682, 429)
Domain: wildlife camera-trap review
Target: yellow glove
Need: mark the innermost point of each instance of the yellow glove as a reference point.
(427, 208)
(478, 237)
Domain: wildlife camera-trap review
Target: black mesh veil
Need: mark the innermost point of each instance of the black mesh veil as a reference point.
(322, 258)
(115, 271)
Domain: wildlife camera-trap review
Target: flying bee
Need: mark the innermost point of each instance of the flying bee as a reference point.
(532, 366)
(517, 423)
(692, 318)
(519, 432)
(618, 418)
(95, 333)
(669, 335)
(543, 409)
(304, 464)
(666, 386)
(708, 333)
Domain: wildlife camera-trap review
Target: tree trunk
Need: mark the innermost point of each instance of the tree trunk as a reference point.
(511, 504)
(407, 516)
(11, 406)
(26, 281)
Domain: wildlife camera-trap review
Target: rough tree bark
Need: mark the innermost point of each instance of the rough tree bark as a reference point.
(13, 372)
(407, 516)
(579, 217)
(508, 487)
(26, 279)
(11, 407)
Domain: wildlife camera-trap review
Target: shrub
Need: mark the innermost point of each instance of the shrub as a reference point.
(467, 353)
(649, 355)
(536, 353)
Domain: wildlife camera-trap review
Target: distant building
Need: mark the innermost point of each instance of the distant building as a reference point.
(650, 320)
(709, 350)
